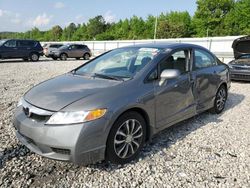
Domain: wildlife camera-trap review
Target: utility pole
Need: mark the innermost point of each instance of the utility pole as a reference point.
(156, 20)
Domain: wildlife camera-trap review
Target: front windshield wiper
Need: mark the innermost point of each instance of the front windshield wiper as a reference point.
(105, 76)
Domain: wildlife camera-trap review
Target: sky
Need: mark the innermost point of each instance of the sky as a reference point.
(22, 15)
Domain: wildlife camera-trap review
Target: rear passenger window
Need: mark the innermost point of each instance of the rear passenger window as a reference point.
(80, 46)
(178, 60)
(23, 43)
(203, 59)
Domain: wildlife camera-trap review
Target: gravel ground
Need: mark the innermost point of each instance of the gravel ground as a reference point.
(204, 151)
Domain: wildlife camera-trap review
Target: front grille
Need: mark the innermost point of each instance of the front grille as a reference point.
(35, 116)
(240, 76)
(241, 67)
(61, 151)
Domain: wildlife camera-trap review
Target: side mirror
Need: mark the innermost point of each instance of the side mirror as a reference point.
(169, 74)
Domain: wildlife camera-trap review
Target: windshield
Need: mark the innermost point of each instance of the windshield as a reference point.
(2, 42)
(122, 63)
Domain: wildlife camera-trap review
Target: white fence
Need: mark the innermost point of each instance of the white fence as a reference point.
(221, 46)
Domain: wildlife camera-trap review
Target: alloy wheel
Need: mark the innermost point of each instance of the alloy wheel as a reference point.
(221, 99)
(64, 57)
(128, 138)
(34, 57)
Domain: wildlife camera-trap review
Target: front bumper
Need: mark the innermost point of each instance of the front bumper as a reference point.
(55, 54)
(243, 75)
(81, 143)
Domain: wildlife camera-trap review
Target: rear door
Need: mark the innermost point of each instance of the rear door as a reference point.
(80, 50)
(25, 47)
(205, 77)
(72, 51)
(174, 99)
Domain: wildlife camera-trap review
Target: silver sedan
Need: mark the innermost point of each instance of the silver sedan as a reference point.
(109, 107)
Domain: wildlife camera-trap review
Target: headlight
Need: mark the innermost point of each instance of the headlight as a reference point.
(230, 66)
(61, 118)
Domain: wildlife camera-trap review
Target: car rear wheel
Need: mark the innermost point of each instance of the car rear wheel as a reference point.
(34, 57)
(54, 58)
(220, 100)
(63, 57)
(126, 138)
(86, 56)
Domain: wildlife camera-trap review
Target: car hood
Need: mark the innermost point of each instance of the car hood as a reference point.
(241, 46)
(61, 91)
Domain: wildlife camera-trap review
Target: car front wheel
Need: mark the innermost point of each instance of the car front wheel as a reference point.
(126, 138)
(63, 57)
(220, 100)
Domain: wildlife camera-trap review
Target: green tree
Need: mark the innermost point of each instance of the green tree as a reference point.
(149, 27)
(174, 25)
(237, 22)
(95, 26)
(35, 33)
(68, 32)
(80, 33)
(137, 27)
(209, 16)
(56, 33)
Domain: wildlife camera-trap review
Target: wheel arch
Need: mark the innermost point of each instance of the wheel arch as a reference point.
(64, 53)
(225, 85)
(143, 113)
(33, 52)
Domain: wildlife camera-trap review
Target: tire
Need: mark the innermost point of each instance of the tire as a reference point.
(77, 58)
(86, 56)
(63, 57)
(126, 138)
(54, 58)
(220, 100)
(34, 57)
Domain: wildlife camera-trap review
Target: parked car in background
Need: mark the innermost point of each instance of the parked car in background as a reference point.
(110, 106)
(48, 50)
(240, 67)
(19, 48)
(72, 51)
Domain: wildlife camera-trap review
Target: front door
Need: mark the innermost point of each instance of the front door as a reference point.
(9, 49)
(174, 99)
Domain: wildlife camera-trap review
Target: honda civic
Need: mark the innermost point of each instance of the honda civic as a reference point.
(109, 107)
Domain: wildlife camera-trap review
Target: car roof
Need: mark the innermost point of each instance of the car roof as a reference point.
(21, 40)
(164, 45)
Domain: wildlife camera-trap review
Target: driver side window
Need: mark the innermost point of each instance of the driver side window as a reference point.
(178, 60)
(10, 43)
